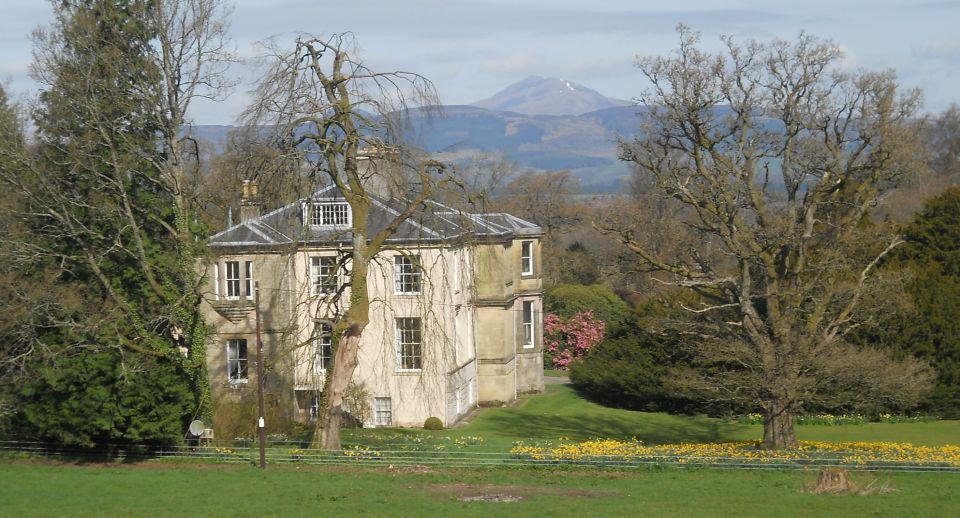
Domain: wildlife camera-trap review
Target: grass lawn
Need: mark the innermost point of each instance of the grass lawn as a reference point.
(561, 412)
(203, 490)
(177, 488)
(932, 433)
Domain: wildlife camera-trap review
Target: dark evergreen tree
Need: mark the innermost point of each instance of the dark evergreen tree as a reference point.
(101, 222)
(924, 319)
(96, 398)
(932, 330)
(633, 369)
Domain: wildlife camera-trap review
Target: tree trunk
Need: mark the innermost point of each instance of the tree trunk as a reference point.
(834, 480)
(327, 434)
(778, 432)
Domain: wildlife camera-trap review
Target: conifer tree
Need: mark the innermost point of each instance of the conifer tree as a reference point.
(932, 330)
(101, 196)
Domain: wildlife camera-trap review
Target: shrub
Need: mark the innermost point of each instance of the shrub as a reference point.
(356, 403)
(235, 416)
(569, 339)
(636, 370)
(433, 423)
(101, 397)
(621, 372)
(566, 300)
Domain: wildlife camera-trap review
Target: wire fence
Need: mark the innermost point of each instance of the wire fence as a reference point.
(291, 453)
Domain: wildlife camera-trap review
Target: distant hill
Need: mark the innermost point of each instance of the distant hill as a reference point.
(214, 135)
(537, 95)
(584, 143)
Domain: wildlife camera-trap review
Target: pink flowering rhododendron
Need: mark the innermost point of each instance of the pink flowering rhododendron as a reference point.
(571, 339)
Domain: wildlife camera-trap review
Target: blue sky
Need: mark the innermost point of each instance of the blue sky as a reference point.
(471, 49)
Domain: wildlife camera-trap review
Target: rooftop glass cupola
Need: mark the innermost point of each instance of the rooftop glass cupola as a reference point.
(329, 213)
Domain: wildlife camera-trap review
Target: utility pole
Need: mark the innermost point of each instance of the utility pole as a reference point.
(261, 431)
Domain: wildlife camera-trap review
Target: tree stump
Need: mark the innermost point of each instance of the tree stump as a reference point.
(834, 480)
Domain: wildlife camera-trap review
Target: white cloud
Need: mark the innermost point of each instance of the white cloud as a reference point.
(473, 48)
(519, 63)
(946, 52)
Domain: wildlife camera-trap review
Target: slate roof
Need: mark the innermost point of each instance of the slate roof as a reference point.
(433, 223)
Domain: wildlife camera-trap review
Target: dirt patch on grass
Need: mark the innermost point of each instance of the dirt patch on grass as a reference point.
(496, 497)
(406, 470)
(508, 493)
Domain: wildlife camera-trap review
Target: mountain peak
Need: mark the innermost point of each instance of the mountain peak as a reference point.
(538, 95)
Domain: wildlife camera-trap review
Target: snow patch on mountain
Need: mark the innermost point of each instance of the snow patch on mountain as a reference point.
(537, 95)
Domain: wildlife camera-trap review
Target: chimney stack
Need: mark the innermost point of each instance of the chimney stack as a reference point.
(250, 205)
(379, 171)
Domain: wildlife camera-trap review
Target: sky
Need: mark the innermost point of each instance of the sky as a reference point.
(471, 49)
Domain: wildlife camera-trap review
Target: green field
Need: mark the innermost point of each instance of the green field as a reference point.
(178, 488)
(204, 490)
(561, 412)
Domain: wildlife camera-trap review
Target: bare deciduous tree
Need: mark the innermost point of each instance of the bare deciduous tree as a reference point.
(192, 62)
(943, 140)
(483, 177)
(546, 198)
(329, 106)
(779, 158)
(249, 154)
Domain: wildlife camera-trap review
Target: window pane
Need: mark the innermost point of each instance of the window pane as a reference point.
(335, 214)
(409, 344)
(323, 275)
(383, 411)
(330, 214)
(528, 323)
(237, 360)
(407, 273)
(526, 256)
(216, 281)
(324, 347)
(248, 275)
(233, 279)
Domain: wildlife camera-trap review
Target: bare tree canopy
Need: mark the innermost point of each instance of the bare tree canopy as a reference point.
(943, 140)
(328, 109)
(194, 53)
(778, 158)
(546, 198)
(305, 91)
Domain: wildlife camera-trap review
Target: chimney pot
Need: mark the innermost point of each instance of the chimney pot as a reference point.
(250, 206)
